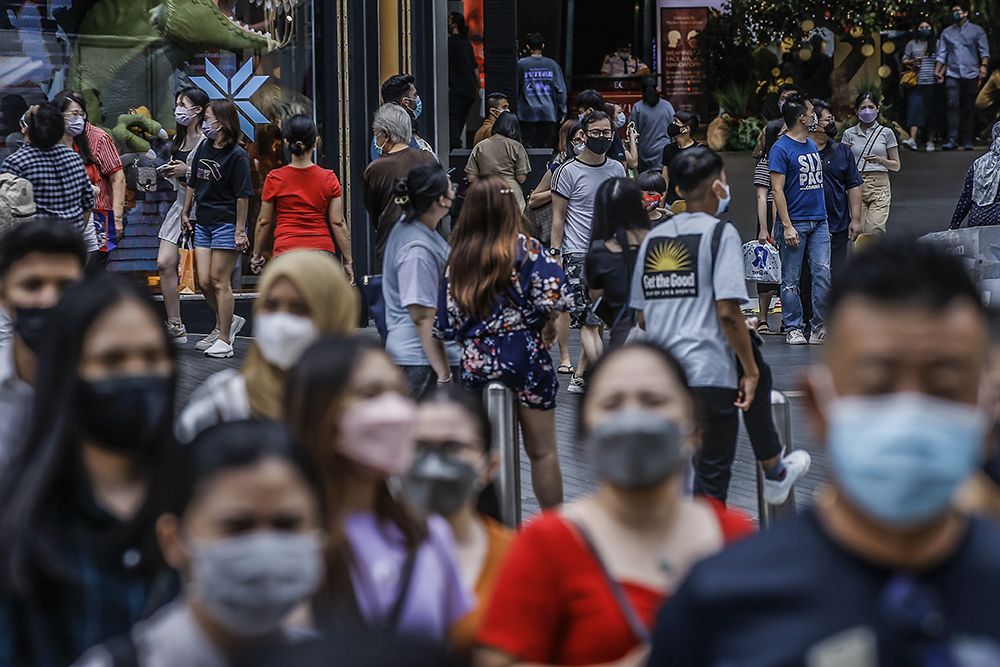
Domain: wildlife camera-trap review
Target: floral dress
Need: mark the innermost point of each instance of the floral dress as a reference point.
(507, 346)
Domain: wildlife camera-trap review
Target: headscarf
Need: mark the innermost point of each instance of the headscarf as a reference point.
(986, 173)
(333, 307)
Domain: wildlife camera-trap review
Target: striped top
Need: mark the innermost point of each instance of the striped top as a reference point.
(105, 153)
(921, 49)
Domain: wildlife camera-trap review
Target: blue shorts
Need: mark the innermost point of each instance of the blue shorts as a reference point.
(216, 237)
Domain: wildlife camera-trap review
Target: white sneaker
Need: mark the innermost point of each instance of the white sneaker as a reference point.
(220, 350)
(208, 341)
(796, 337)
(930, 147)
(238, 323)
(818, 337)
(177, 332)
(911, 144)
(796, 465)
(577, 385)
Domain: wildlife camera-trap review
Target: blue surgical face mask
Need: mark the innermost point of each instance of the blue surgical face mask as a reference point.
(619, 120)
(418, 107)
(901, 457)
(724, 201)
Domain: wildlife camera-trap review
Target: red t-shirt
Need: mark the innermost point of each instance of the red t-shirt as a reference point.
(301, 199)
(552, 604)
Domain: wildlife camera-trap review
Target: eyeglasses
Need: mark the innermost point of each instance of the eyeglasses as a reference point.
(600, 134)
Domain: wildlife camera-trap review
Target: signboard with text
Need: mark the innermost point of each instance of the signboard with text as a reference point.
(682, 79)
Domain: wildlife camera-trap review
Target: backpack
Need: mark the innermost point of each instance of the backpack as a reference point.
(17, 202)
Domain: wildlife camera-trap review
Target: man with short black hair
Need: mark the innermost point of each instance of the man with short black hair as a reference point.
(883, 569)
(797, 183)
(574, 185)
(541, 95)
(38, 260)
(496, 104)
(963, 58)
(401, 89)
(587, 102)
(58, 178)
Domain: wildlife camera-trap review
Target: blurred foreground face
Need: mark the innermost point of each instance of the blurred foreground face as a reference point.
(125, 341)
(899, 400)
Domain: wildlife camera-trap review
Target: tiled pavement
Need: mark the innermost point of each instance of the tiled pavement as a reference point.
(787, 363)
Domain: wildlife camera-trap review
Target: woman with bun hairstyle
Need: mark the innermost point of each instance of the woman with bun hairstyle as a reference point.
(302, 207)
(415, 257)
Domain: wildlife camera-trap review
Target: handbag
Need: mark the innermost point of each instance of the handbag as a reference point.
(371, 292)
(908, 79)
(186, 283)
(540, 220)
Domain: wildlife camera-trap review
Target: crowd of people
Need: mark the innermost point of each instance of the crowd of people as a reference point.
(333, 497)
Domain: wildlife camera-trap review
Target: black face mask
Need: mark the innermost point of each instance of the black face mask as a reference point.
(831, 129)
(673, 130)
(925, 33)
(32, 325)
(599, 145)
(439, 484)
(130, 414)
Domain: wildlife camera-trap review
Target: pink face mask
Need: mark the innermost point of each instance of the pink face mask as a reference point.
(380, 433)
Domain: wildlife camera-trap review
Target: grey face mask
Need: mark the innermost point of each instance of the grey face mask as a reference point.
(251, 583)
(637, 449)
(439, 484)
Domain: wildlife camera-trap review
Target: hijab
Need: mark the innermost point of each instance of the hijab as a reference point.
(333, 307)
(986, 173)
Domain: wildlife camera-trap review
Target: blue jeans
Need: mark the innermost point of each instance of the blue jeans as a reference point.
(814, 239)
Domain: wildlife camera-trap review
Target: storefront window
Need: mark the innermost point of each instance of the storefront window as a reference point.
(128, 57)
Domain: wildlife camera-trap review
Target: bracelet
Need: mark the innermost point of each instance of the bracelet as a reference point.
(447, 380)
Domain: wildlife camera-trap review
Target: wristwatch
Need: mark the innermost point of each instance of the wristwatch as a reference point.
(554, 252)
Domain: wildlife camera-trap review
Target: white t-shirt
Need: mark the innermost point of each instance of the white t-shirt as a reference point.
(577, 183)
(676, 288)
(858, 140)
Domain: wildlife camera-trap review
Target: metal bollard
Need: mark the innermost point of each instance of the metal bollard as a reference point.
(506, 439)
(781, 410)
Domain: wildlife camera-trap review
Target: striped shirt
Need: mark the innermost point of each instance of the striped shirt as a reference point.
(105, 153)
(920, 49)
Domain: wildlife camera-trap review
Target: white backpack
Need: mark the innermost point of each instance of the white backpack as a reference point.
(17, 202)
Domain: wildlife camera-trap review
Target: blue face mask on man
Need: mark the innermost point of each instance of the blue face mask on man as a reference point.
(901, 457)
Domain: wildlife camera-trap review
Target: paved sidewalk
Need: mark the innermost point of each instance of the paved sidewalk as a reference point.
(788, 364)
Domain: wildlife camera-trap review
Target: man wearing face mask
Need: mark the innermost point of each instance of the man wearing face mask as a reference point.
(884, 570)
(652, 117)
(797, 182)
(574, 186)
(589, 101)
(37, 261)
(400, 89)
(841, 187)
(496, 104)
(622, 62)
(680, 131)
(963, 58)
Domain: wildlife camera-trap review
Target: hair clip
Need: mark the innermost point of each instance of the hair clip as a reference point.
(506, 191)
(401, 200)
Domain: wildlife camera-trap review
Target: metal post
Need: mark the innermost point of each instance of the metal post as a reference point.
(782, 413)
(503, 419)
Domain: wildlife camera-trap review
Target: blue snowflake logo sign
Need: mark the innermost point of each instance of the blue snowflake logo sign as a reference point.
(239, 89)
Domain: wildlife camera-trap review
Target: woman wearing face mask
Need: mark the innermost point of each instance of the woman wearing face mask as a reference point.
(766, 216)
(654, 190)
(388, 571)
(681, 132)
(503, 155)
(104, 167)
(189, 113)
(415, 257)
(980, 200)
(452, 476)
(876, 153)
(78, 559)
(918, 57)
(219, 183)
(582, 586)
(302, 206)
(303, 295)
(244, 529)
(620, 225)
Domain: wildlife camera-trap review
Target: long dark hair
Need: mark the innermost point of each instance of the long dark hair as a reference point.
(39, 483)
(508, 126)
(931, 41)
(488, 503)
(772, 132)
(417, 191)
(197, 96)
(566, 134)
(618, 210)
(63, 100)
(314, 399)
(483, 246)
(229, 121)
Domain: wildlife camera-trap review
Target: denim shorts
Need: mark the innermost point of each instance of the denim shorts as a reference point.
(216, 237)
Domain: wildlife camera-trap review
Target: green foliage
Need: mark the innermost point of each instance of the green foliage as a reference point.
(743, 133)
(724, 54)
(734, 98)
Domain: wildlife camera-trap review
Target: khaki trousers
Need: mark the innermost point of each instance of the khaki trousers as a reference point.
(876, 196)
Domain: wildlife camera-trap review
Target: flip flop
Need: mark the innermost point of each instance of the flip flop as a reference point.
(566, 369)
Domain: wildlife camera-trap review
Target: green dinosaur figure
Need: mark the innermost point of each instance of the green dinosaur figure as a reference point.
(122, 42)
(131, 131)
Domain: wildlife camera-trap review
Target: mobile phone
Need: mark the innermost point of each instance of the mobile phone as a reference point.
(163, 166)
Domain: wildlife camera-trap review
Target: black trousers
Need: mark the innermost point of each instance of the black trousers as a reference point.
(718, 420)
(538, 135)
(458, 111)
(961, 109)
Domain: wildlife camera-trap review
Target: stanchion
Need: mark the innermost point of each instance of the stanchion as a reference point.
(782, 413)
(506, 440)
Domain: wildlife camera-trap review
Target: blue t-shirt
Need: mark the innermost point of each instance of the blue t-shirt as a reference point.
(840, 174)
(803, 169)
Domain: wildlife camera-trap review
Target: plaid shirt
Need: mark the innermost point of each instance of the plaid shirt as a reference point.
(58, 178)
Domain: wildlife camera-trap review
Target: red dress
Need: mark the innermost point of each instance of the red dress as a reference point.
(301, 199)
(552, 604)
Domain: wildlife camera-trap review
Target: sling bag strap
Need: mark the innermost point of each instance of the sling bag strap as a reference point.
(640, 631)
(876, 133)
(391, 622)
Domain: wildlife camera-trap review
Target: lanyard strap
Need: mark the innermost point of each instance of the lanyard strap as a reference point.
(640, 631)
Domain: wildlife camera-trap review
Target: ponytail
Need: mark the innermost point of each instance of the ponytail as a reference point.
(417, 191)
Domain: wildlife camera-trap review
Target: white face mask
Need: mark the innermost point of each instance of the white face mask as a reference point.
(283, 337)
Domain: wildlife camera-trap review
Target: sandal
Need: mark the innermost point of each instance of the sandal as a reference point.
(763, 329)
(566, 369)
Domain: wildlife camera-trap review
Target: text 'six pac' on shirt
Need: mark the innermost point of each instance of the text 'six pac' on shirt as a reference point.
(802, 166)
